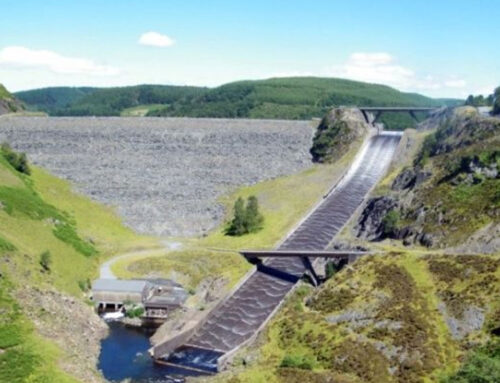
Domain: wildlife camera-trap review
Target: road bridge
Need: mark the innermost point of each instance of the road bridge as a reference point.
(373, 113)
(235, 321)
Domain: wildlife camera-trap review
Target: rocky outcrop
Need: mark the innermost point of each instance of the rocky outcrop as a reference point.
(371, 225)
(445, 197)
(71, 324)
(337, 132)
(8, 103)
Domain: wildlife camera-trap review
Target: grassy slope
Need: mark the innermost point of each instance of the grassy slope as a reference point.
(283, 202)
(27, 221)
(404, 289)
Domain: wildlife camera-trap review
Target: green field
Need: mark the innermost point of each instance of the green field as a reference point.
(141, 110)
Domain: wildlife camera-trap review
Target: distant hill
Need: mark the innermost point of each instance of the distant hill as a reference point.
(68, 101)
(53, 100)
(275, 98)
(9, 103)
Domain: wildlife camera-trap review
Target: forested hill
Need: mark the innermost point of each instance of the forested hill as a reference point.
(280, 98)
(86, 101)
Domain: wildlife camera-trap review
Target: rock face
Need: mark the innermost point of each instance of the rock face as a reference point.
(447, 196)
(371, 223)
(163, 174)
(8, 103)
(71, 324)
(337, 132)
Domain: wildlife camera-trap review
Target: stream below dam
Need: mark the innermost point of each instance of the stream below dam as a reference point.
(124, 355)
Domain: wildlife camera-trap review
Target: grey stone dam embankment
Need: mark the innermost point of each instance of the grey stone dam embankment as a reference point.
(164, 175)
(244, 313)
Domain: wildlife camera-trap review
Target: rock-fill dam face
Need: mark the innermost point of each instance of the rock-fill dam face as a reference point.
(164, 175)
(244, 313)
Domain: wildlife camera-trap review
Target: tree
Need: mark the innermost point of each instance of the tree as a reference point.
(46, 260)
(237, 226)
(496, 106)
(470, 100)
(246, 219)
(253, 217)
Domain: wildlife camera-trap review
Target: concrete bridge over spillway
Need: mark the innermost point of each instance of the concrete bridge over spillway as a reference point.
(236, 320)
(373, 113)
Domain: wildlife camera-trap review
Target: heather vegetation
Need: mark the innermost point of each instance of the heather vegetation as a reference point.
(386, 319)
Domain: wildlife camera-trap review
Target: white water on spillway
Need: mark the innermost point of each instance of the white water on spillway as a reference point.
(244, 313)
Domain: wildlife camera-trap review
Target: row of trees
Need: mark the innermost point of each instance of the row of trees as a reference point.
(492, 100)
(479, 100)
(247, 218)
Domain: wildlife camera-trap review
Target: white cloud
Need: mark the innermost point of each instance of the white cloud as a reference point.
(156, 39)
(455, 83)
(383, 68)
(379, 67)
(21, 57)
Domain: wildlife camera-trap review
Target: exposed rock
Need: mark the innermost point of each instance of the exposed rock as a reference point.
(370, 225)
(337, 132)
(71, 324)
(472, 320)
(9, 103)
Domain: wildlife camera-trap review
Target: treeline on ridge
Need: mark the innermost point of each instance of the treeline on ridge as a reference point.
(276, 98)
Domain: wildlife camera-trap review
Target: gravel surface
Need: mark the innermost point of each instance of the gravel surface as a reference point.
(164, 175)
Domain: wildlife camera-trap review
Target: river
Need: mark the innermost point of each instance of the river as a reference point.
(124, 355)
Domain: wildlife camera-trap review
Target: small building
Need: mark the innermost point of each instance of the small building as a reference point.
(166, 297)
(113, 293)
(158, 296)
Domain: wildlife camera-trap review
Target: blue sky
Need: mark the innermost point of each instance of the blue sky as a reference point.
(439, 48)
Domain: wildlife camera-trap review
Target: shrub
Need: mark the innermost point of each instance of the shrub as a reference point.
(246, 219)
(483, 365)
(390, 222)
(18, 161)
(46, 260)
(134, 312)
(298, 361)
(84, 285)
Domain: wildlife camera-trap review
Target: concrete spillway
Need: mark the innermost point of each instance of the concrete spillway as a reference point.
(244, 313)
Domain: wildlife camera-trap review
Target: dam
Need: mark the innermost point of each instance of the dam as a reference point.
(238, 318)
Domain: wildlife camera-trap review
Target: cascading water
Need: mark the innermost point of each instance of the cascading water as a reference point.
(238, 319)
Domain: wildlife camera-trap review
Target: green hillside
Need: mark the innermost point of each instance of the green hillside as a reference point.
(55, 99)
(65, 101)
(51, 244)
(275, 98)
